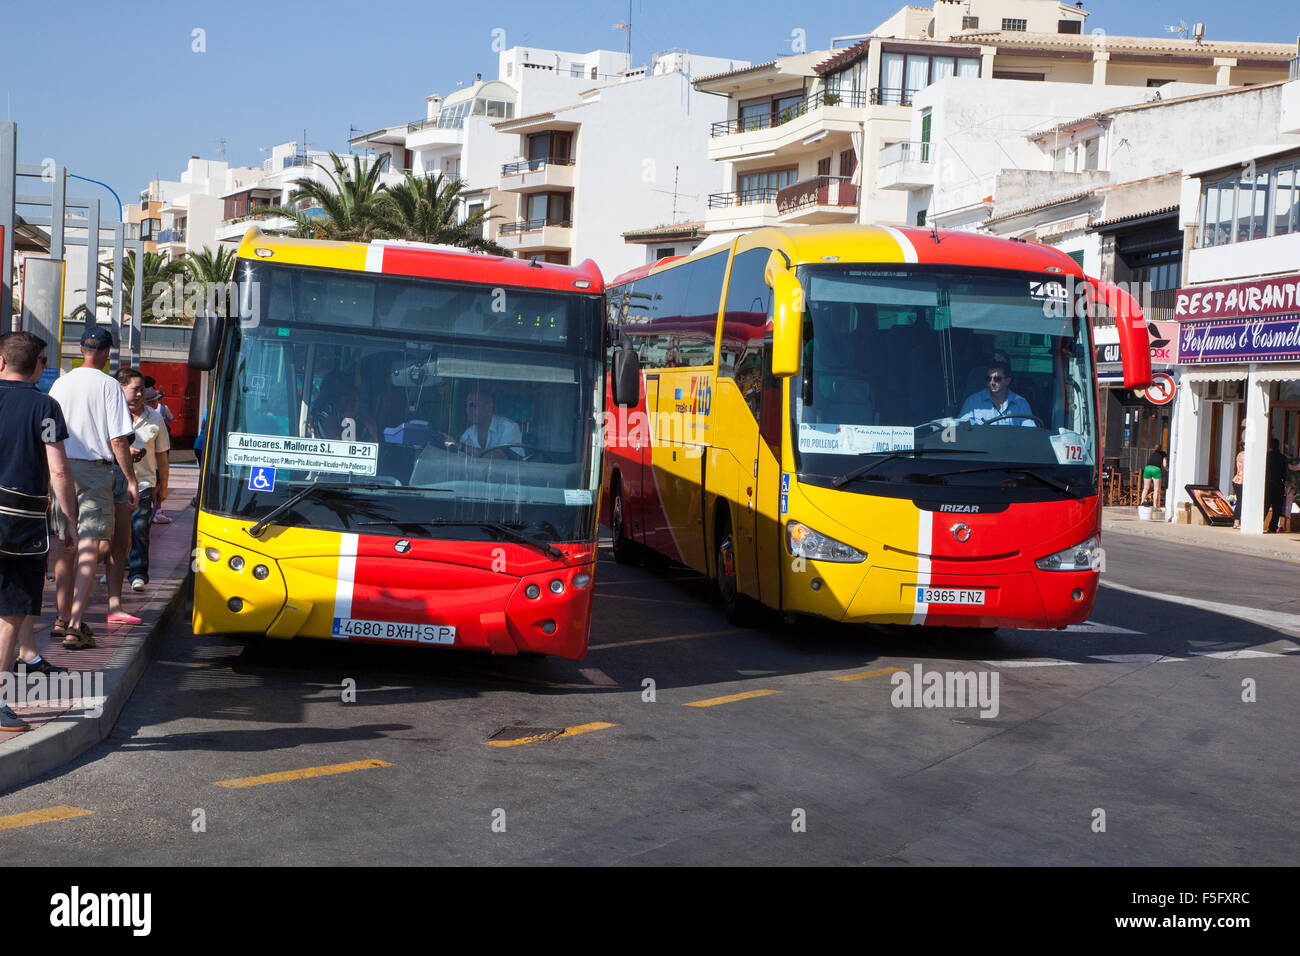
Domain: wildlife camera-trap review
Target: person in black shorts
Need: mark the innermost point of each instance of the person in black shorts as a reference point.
(32, 431)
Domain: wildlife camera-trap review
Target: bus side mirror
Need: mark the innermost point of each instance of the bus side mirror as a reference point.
(787, 317)
(205, 341)
(627, 377)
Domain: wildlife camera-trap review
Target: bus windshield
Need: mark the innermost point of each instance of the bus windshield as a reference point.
(415, 407)
(971, 378)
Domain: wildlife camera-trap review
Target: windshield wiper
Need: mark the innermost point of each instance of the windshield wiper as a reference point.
(552, 552)
(1062, 486)
(257, 529)
(890, 456)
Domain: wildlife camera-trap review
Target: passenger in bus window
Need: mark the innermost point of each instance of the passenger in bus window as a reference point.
(997, 404)
(489, 435)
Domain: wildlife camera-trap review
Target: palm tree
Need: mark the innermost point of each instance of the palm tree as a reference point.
(426, 209)
(206, 266)
(158, 274)
(348, 203)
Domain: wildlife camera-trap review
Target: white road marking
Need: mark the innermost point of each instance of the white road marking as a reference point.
(1050, 662)
(1275, 619)
(1233, 655)
(598, 677)
(1136, 658)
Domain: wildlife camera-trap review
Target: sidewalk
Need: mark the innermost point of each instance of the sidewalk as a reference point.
(1124, 520)
(121, 651)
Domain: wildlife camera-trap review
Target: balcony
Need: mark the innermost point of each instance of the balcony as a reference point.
(813, 117)
(1294, 72)
(906, 166)
(535, 175)
(231, 230)
(536, 235)
(820, 199)
(891, 96)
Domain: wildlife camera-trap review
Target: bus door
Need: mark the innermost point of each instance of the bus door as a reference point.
(653, 520)
(770, 490)
(678, 456)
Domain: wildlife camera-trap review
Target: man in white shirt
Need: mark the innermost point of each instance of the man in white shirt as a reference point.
(153, 398)
(150, 448)
(99, 434)
(492, 436)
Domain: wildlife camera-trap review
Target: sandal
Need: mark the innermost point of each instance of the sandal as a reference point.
(59, 628)
(121, 617)
(83, 637)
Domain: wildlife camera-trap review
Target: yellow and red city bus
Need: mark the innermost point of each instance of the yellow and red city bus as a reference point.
(819, 435)
(403, 447)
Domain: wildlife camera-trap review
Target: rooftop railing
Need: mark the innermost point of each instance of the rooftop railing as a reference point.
(906, 153)
(853, 100)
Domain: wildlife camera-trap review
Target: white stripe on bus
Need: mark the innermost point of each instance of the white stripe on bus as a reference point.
(924, 537)
(346, 577)
(374, 258)
(905, 244)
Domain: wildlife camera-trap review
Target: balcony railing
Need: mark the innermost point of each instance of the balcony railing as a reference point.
(817, 191)
(171, 235)
(532, 165)
(533, 225)
(855, 100)
(743, 197)
(889, 96)
(906, 153)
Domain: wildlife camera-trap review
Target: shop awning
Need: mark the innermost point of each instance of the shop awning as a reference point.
(1277, 373)
(1235, 373)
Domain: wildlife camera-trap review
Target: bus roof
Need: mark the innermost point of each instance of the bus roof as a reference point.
(886, 245)
(420, 259)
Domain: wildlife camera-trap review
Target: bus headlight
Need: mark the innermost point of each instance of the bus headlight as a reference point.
(804, 542)
(1084, 556)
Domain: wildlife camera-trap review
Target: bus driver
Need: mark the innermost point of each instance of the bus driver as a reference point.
(997, 401)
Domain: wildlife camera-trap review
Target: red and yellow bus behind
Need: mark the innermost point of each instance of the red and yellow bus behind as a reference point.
(866, 424)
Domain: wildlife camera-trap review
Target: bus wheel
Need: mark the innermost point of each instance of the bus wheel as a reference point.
(625, 549)
(739, 609)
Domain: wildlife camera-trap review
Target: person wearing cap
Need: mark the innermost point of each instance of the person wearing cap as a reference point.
(99, 436)
(153, 399)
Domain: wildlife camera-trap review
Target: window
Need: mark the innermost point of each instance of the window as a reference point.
(575, 70)
(593, 72)
(671, 318)
(770, 110)
(550, 147)
(970, 23)
(1153, 83)
(904, 74)
(1067, 26)
(1010, 75)
(663, 253)
(1013, 25)
(762, 186)
(920, 218)
(1251, 205)
(1091, 153)
(510, 68)
(749, 302)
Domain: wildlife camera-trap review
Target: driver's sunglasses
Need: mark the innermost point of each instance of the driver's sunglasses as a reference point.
(997, 378)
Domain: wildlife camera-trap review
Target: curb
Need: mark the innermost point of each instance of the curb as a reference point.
(1225, 548)
(72, 733)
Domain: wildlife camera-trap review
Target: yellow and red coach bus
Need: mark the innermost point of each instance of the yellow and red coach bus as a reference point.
(403, 447)
(867, 424)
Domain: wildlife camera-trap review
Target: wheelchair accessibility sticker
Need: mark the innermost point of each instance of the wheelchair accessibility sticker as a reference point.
(262, 479)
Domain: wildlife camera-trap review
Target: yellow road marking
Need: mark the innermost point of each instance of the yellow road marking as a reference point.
(49, 815)
(714, 701)
(302, 774)
(883, 670)
(660, 640)
(566, 732)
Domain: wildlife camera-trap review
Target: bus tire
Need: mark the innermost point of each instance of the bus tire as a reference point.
(626, 551)
(741, 610)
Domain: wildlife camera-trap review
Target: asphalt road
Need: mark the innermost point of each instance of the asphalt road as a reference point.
(1125, 741)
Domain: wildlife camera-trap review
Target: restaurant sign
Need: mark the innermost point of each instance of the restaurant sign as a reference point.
(1233, 300)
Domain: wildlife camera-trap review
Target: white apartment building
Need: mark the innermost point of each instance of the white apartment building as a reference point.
(570, 150)
(842, 136)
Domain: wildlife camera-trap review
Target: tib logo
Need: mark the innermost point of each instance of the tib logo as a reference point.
(701, 395)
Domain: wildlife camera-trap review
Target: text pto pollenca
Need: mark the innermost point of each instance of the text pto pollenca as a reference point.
(1182, 899)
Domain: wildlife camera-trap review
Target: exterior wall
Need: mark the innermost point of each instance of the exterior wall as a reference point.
(624, 180)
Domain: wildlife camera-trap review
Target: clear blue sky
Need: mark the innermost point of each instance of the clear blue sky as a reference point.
(115, 92)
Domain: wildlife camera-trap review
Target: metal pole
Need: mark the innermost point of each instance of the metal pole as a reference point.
(118, 230)
(137, 303)
(58, 209)
(8, 164)
(92, 261)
